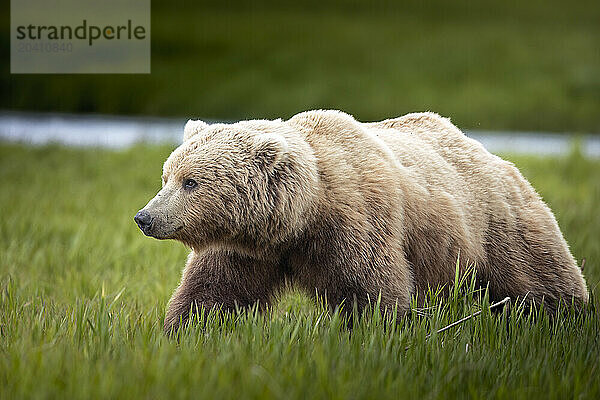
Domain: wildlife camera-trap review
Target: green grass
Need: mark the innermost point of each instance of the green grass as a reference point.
(83, 295)
(488, 64)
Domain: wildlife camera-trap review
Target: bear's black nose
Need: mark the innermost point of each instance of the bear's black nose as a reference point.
(143, 219)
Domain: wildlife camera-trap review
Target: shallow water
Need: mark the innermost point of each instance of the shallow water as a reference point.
(121, 132)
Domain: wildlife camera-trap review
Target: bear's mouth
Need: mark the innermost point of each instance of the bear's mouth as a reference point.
(161, 235)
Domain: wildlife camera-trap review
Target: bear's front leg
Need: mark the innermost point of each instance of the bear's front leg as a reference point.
(221, 278)
(354, 276)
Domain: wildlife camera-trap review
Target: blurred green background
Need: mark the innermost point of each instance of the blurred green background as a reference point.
(519, 65)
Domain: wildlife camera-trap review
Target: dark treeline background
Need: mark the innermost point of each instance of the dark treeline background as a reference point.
(526, 65)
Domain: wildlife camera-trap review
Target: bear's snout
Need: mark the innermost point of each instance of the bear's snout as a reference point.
(144, 220)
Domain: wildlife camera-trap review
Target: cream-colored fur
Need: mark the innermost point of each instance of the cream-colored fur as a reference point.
(352, 211)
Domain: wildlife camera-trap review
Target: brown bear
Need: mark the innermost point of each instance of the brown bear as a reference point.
(351, 211)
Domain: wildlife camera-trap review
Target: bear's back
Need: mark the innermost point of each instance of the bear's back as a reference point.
(452, 190)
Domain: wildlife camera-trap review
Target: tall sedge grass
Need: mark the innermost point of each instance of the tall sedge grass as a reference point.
(83, 296)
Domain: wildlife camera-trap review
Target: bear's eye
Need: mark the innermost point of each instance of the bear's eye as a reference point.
(189, 184)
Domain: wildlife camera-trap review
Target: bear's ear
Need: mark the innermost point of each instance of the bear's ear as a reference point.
(270, 149)
(192, 127)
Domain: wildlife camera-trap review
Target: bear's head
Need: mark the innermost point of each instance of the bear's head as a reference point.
(246, 185)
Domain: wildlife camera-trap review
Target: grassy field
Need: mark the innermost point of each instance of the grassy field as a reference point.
(489, 64)
(83, 295)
